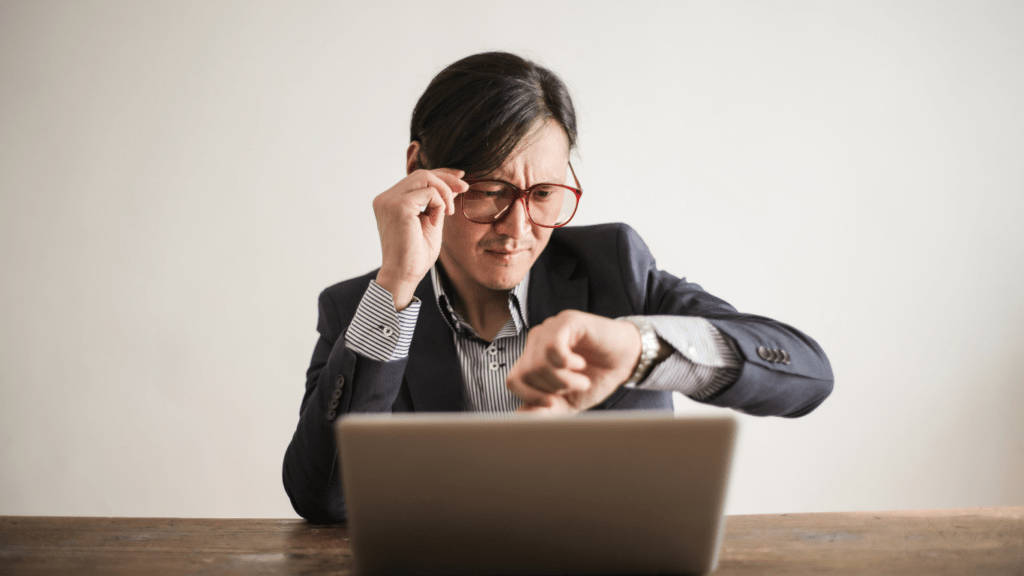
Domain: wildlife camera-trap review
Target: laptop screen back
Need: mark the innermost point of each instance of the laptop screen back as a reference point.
(607, 493)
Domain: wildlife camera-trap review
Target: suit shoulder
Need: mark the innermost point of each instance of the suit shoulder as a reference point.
(612, 244)
(615, 260)
(601, 238)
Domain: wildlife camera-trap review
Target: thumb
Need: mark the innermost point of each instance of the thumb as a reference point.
(561, 352)
(567, 359)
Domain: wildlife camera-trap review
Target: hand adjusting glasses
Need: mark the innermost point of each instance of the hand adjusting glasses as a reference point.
(548, 205)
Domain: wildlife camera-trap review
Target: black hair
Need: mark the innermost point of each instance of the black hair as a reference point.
(476, 111)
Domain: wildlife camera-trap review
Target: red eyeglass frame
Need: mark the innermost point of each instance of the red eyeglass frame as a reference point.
(525, 194)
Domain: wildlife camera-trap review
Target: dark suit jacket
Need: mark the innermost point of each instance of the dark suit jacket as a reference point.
(605, 270)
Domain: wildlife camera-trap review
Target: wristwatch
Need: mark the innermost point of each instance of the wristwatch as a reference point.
(649, 347)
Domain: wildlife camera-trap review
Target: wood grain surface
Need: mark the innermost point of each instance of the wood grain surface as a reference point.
(976, 541)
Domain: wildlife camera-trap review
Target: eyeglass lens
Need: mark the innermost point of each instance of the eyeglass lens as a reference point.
(546, 205)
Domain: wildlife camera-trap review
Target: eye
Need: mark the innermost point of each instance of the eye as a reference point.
(545, 192)
(489, 190)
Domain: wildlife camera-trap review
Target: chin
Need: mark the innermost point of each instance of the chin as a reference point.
(504, 280)
(503, 285)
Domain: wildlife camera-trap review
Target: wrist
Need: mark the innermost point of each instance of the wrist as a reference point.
(652, 350)
(402, 292)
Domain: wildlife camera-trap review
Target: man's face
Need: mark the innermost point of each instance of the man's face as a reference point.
(497, 256)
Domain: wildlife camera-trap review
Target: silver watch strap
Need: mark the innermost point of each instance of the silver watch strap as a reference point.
(648, 347)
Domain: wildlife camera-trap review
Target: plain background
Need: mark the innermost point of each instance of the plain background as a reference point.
(179, 180)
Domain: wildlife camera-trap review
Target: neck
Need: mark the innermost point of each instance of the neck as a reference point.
(484, 309)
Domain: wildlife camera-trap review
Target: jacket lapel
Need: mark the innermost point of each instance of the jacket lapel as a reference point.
(557, 283)
(433, 373)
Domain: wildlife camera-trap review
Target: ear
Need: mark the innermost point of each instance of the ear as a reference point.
(412, 156)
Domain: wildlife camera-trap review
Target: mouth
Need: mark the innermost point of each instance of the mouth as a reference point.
(506, 254)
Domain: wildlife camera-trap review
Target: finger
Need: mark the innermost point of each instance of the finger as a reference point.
(557, 381)
(526, 392)
(443, 187)
(435, 208)
(450, 175)
(454, 171)
(426, 199)
(558, 352)
(456, 185)
(536, 410)
(573, 382)
(556, 408)
(454, 179)
(533, 370)
(429, 179)
(561, 356)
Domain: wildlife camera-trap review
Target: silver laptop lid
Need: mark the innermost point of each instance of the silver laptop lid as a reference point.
(599, 493)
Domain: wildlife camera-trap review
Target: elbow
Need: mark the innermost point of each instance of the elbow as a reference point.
(816, 393)
(761, 391)
(316, 506)
(816, 387)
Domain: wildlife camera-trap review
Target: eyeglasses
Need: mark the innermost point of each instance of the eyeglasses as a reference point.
(548, 205)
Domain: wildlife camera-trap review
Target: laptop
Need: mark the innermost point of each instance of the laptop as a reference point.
(598, 493)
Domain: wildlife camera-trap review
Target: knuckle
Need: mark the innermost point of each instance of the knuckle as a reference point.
(553, 353)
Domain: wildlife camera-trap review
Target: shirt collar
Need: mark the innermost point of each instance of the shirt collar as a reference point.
(516, 303)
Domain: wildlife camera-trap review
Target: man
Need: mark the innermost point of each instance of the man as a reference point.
(484, 302)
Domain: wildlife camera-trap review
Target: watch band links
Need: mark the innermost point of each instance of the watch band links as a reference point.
(648, 348)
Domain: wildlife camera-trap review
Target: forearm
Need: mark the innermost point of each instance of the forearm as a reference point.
(341, 379)
(311, 466)
(764, 385)
(310, 471)
(694, 358)
(784, 371)
(785, 374)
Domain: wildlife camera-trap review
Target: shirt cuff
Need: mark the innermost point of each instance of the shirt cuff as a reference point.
(704, 361)
(377, 330)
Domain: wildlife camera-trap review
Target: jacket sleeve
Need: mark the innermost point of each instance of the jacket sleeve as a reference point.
(783, 371)
(338, 381)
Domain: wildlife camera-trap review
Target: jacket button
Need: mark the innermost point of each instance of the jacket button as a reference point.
(337, 393)
(331, 415)
(341, 381)
(764, 354)
(785, 357)
(334, 404)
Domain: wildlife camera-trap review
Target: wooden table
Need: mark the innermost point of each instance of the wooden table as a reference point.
(970, 542)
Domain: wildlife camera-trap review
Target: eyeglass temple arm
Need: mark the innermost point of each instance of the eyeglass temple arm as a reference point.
(574, 178)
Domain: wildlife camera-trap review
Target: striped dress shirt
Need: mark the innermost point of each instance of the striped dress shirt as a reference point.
(704, 360)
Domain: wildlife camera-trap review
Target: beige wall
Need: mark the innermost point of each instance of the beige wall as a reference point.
(179, 180)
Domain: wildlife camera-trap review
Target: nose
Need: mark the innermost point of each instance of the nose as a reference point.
(516, 223)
